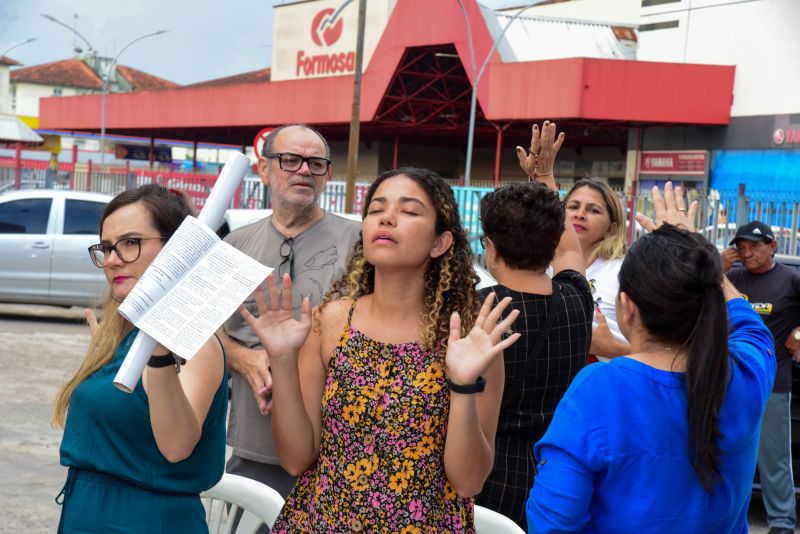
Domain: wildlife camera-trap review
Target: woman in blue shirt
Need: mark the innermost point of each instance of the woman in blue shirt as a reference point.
(137, 462)
(671, 442)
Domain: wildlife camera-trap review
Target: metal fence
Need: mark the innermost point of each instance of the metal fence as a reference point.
(719, 213)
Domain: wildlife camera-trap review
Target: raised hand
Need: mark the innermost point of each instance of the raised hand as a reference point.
(468, 357)
(278, 331)
(670, 208)
(550, 144)
(539, 161)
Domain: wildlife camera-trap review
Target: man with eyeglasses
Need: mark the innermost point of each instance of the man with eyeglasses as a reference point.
(302, 240)
(774, 292)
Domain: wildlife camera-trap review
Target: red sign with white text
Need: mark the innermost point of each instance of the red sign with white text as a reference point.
(677, 162)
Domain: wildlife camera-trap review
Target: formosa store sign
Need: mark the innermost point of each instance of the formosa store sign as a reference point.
(682, 163)
(318, 38)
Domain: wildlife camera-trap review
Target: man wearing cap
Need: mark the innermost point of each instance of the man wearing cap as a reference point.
(301, 240)
(774, 292)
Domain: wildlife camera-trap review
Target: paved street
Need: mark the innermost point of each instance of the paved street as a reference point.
(39, 346)
(37, 349)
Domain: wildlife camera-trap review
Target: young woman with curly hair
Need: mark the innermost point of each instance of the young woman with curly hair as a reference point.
(388, 407)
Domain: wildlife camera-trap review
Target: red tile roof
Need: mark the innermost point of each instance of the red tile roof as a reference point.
(255, 76)
(76, 73)
(142, 81)
(5, 60)
(68, 72)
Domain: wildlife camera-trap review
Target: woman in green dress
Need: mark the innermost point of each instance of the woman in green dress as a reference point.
(137, 462)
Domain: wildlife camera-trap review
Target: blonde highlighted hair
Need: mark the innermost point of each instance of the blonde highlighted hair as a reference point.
(614, 246)
(110, 332)
(450, 279)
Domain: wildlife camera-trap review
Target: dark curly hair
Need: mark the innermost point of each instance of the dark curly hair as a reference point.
(673, 276)
(450, 279)
(525, 221)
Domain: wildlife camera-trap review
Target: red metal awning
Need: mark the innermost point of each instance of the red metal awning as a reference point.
(572, 91)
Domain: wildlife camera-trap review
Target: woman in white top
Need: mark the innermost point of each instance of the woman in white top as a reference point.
(595, 211)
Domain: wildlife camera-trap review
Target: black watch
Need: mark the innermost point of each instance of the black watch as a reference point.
(477, 387)
(166, 360)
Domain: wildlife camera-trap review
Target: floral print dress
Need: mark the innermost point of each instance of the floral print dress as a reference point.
(381, 461)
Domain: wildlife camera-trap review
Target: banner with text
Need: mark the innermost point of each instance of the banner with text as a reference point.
(674, 162)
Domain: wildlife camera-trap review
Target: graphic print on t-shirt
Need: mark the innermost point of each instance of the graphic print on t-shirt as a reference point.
(761, 308)
(592, 287)
(319, 271)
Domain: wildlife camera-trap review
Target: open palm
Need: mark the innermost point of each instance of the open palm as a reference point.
(278, 331)
(468, 357)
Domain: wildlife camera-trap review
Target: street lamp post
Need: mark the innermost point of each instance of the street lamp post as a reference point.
(91, 51)
(12, 47)
(476, 78)
(106, 75)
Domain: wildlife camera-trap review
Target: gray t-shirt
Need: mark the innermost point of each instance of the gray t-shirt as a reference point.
(320, 254)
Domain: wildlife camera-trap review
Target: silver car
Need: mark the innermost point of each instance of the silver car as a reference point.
(44, 237)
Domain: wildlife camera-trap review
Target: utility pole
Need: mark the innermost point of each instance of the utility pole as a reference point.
(476, 79)
(355, 118)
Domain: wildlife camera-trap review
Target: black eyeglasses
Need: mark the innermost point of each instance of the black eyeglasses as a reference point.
(292, 162)
(128, 249)
(482, 240)
(287, 255)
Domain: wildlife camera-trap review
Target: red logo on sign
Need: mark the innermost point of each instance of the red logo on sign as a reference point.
(258, 140)
(778, 136)
(325, 28)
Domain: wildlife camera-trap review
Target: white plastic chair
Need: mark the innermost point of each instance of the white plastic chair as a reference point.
(490, 522)
(259, 503)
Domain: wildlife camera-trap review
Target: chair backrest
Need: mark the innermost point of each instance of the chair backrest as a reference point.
(490, 522)
(260, 505)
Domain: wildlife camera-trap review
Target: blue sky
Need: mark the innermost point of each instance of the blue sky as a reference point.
(206, 39)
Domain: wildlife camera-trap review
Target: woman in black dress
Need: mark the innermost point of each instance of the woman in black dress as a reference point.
(524, 230)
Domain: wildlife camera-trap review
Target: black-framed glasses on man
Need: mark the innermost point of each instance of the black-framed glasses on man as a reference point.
(128, 249)
(287, 258)
(287, 161)
(482, 240)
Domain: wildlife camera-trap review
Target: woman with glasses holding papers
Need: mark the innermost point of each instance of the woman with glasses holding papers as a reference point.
(137, 462)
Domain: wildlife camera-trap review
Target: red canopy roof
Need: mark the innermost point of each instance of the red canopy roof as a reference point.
(579, 90)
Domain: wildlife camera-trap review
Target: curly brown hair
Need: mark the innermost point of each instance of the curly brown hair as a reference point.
(450, 279)
(525, 221)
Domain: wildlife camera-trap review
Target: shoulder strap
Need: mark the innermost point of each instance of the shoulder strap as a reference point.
(552, 308)
(222, 346)
(350, 315)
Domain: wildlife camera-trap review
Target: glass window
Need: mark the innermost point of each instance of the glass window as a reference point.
(83, 217)
(27, 216)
